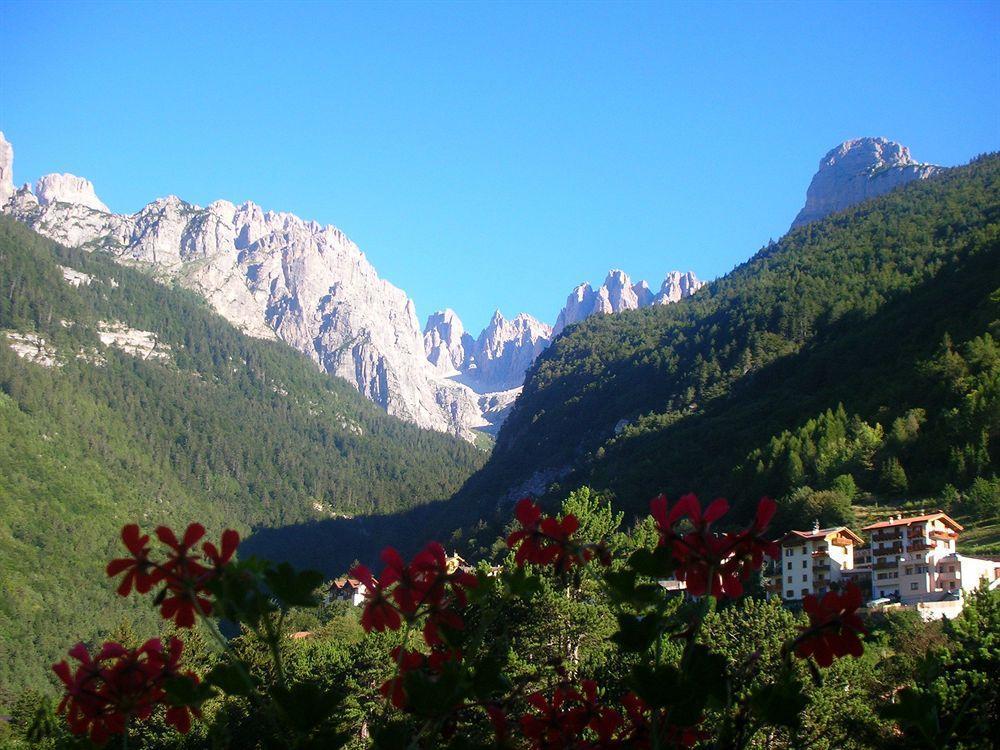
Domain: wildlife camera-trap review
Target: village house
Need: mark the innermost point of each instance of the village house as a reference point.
(813, 561)
(346, 589)
(915, 561)
(910, 562)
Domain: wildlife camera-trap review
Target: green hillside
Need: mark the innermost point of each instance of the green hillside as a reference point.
(885, 316)
(225, 429)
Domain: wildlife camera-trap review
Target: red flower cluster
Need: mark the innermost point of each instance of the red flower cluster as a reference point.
(713, 563)
(834, 626)
(563, 721)
(105, 692)
(186, 572)
(544, 540)
(405, 592)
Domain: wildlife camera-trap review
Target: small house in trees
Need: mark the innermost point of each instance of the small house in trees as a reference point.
(347, 589)
(813, 561)
(915, 561)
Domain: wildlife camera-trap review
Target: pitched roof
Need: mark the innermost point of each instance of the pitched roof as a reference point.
(342, 582)
(820, 534)
(935, 516)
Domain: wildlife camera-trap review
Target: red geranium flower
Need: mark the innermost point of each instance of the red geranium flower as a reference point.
(834, 626)
(379, 613)
(105, 692)
(219, 557)
(545, 540)
(142, 574)
(713, 563)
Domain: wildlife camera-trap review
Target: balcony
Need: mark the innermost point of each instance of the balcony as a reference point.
(888, 549)
(918, 545)
(820, 553)
(886, 536)
(944, 535)
(821, 567)
(886, 565)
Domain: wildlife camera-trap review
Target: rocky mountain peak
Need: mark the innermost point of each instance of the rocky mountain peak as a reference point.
(676, 286)
(6, 169)
(445, 342)
(857, 170)
(618, 293)
(68, 188)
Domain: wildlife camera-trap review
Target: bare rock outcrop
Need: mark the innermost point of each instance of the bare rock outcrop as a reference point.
(68, 188)
(618, 293)
(273, 275)
(857, 170)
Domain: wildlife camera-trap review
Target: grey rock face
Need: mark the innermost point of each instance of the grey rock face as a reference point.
(857, 170)
(618, 293)
(68, 188)
(492, 365)
(446, 342)
(505, 350)
(275, 276)
(6, 170)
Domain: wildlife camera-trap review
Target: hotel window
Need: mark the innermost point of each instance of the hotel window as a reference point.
(789, 565)
(789, 552)
(789, 594)
(909, 570)
(805, 563)
(951, 568)
(913, 586)
(804, 578)
(789, 579)
(805, 592)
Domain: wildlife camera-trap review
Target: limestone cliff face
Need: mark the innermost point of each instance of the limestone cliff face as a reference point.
(274, 276)
(68, 188)
(618, 293)
(857, 170)
(6, 170)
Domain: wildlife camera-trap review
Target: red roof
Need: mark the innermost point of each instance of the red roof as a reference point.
(342, 582)
(820, 534)
(937, 515)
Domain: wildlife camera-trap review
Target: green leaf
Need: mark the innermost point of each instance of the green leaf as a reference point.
(656, 564)
(294, 588)
(184, 691)
(521, 584)
(306, 705)
(229, 678)
(636, 633)
(657, 686)
(780, 703)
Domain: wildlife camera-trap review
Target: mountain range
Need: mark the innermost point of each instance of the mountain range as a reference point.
(886, 311)
(275, 275)
(123, 398)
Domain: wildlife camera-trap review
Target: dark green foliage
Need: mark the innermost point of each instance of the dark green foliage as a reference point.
(778, 372)
(230, 431)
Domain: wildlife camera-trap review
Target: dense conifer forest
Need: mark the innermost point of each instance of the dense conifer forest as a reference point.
(857, 357)
(227, 429)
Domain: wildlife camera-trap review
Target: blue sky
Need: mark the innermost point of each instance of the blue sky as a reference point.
(495, 155)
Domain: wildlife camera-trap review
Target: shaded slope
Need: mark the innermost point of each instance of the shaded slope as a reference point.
(224, 429)
(674, 381)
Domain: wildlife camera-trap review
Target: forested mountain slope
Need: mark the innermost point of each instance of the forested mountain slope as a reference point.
(851, 310)
(122, 399)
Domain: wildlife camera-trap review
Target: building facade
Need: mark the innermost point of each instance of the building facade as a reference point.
(813, 561)
(914, 559)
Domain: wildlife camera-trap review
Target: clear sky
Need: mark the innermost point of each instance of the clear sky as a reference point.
(495, 155)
